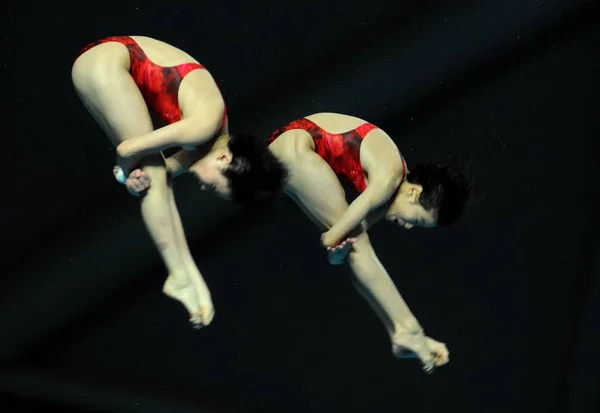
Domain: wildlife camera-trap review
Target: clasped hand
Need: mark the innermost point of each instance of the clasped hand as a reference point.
(137, 181)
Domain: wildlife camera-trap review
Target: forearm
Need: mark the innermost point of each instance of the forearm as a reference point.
(376, 194)
(194, 130)
(354, 215)
(174, 167)
(156, 141)
(179, 163)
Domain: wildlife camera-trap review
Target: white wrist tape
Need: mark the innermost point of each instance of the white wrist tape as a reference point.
(121, 176)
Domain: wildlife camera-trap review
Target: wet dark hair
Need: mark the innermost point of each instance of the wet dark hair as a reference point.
(446, 190)
(256, 177)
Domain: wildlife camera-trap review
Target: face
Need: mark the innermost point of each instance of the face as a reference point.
(209, 170)
(406, 210)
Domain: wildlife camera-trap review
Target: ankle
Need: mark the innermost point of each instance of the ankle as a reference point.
(404, 328)
(179, 277)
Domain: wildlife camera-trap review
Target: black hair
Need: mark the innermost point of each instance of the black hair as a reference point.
(446, 190)
(256, 177)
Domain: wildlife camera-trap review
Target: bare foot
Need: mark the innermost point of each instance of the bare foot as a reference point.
(204, 298)
(440, 352)
(430, 352)
(185, 290)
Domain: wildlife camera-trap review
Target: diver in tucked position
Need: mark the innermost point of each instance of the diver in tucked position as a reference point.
(317, 148)
(119, 80)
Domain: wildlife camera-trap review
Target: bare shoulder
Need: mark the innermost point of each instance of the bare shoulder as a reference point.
(379, 152)
(291, 144)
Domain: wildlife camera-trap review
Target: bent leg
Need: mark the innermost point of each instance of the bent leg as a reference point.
(110, 95)
(316, 189)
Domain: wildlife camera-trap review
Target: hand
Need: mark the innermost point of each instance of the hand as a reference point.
(137, 182)
(337, 255)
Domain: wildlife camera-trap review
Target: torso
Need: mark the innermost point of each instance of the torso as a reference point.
(341, 147)
(173, 83)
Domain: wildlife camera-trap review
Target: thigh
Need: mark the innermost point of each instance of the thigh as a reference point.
(316, 189)
(102, 81)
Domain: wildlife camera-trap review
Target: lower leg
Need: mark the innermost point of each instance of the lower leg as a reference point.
(364, 293)
(374, 283)
(406, 334)
(192, 271)
(156, 213)
(159, 219)
(180, 238)
(439, 350)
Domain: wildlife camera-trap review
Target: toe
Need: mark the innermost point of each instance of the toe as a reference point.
(196, 322)
(429, 367)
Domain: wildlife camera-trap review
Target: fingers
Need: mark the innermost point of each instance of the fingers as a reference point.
(136, 185)
(144, 178)
(138, 173)
(337, 255)
(139, 184)
(138, 180)
(347, 243)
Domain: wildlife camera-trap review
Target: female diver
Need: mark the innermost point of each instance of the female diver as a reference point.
(120, 80)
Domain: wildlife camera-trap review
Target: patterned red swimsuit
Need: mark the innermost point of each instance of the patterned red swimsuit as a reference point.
(159, 85)
(340, 150)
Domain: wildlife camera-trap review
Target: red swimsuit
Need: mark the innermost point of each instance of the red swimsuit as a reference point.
(159, 85)
(340, 150)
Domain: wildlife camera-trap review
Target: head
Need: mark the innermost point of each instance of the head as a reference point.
(432, 195)
(242, 169)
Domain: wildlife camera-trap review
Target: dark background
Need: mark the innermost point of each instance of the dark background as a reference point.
(508, 86)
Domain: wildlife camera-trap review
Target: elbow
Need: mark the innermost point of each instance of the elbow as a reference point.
(125, 150)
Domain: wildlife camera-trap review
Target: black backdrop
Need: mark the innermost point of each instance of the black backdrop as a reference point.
(508, 86)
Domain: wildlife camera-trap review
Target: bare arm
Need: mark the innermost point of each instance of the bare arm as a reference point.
(139, 181)
(377, 193)
(196, 129)
(381, 160)
(179, 163)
